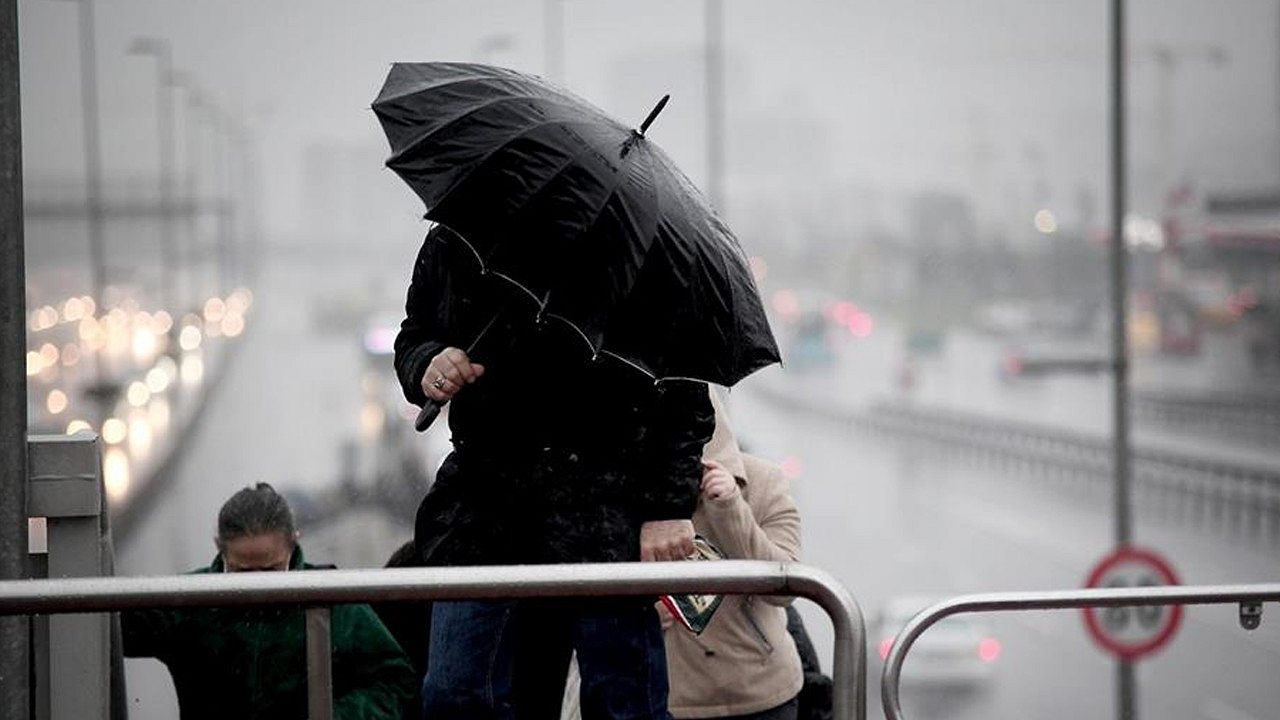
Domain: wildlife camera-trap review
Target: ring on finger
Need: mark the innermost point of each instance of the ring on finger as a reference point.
(439, 382)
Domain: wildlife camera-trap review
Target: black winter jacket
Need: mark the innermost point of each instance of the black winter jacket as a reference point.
(558, 458)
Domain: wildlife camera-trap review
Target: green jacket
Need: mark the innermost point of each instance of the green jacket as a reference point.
(251, 662)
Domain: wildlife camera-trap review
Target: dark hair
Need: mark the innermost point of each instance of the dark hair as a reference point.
(255, 511)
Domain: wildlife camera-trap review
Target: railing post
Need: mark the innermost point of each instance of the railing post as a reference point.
(319, 664)
(65, 487)
(849, 661)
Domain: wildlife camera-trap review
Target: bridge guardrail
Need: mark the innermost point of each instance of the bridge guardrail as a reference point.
(317, 590)
(891, 677)
(1221, 490)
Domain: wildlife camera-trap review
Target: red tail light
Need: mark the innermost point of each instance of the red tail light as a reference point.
(989, 649)
(1013, 365)
(885, 645)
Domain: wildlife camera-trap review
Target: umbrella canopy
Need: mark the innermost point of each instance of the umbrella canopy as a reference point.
(591, 220)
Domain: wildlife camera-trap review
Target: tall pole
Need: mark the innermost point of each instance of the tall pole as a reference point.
(167, 152)
(92, 153)
(218, 128)
(1126, 701)
(194, 253)
(255, 254)
(714, 48)
(14, 645)
(553, 38)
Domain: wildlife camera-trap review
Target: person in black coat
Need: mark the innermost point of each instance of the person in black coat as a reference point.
(558, 458)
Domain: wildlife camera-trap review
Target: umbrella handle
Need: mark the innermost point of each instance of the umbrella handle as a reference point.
(427, 415)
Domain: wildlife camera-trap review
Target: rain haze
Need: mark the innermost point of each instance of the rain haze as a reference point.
(923, 191)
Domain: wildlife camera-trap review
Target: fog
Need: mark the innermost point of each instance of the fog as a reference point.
(1002, 101)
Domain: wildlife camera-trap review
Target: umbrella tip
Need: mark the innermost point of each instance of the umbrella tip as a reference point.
(653, 114)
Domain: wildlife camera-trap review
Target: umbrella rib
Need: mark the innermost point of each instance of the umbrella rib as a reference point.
(472, 248)
(615, 355)
(542, 304)
(484, 270)
(574, 326)
(682, 378)
(656, 379)
(581, 334)
(503, 276)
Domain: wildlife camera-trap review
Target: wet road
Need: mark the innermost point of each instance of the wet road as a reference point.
(891, 519)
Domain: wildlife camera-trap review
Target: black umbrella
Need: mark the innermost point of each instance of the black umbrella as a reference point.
(590, 219)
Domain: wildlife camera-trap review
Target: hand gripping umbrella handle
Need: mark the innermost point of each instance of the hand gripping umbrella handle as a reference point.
(431, 408)
(427, 415)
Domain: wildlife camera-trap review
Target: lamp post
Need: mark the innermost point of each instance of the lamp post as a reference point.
(219, 125)
(160, 50)
(251, 251)
(1126, 682)
(190, 181)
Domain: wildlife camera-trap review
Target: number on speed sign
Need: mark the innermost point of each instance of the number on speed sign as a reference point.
(1132, 632)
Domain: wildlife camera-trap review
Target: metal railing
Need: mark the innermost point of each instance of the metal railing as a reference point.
(891, 678)
(328, 587)
(1215, 488)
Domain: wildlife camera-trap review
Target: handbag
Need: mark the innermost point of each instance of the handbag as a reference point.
(815, 693)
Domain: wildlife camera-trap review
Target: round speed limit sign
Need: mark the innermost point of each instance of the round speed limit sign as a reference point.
(1132, 632)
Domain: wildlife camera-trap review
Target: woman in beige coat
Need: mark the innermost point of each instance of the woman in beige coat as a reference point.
(745, 664)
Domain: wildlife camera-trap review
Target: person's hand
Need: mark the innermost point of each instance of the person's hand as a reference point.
(717, 483)
(666, 540)
(447, 373)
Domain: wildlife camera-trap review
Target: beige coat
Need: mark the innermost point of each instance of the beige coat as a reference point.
(745, 661)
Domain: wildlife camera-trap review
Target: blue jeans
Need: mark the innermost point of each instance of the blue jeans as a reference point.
(483, 653)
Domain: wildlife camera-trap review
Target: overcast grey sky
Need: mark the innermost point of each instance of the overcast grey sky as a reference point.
(984, 96)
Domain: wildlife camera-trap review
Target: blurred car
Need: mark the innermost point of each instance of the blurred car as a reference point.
(958, 652)
(810, 345)
(1035, 359)
(1050, 318)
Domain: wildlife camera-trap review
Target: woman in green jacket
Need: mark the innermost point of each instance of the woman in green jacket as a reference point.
(251, 663)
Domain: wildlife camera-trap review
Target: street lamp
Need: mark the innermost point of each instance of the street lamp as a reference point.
(161, 51)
